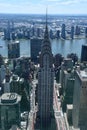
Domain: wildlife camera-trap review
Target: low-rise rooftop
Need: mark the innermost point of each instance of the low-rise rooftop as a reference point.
(10, 98)
(82, 75)
(70, 106)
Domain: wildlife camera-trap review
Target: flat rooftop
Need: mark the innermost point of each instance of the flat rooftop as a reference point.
(10, 98)
(70, 106)
(82, 75)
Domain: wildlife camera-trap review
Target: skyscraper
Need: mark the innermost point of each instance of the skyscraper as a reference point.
(72, 32)
(58, 34)
(45, 82)
(80, 100)
(63, 34)
(9, 110)
(77, 30)
(86, 32)
(7, 32)
(35, 48)
(14, 50)
(84, 53)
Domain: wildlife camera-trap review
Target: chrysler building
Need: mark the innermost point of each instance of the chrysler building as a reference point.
(45, 81)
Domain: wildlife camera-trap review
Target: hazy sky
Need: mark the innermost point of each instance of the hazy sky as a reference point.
(39, 6)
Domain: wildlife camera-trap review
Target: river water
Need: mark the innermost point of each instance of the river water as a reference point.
(58, 46)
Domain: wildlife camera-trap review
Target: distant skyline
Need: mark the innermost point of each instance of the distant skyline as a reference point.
(39, 6)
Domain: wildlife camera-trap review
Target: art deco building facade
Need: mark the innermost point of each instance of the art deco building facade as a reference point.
(45, 81)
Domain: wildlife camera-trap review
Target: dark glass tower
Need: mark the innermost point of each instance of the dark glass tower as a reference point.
(84, 53)
(86, 32)
(45, 81)
(72, 32)
(63, 33)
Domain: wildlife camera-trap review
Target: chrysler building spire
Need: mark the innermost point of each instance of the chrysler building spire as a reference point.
(46, 35)
(46, 48)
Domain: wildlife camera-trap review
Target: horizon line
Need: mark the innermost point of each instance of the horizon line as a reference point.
(42, 14)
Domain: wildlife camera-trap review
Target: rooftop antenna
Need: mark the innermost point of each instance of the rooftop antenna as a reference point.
(46, 28)
(46, 15)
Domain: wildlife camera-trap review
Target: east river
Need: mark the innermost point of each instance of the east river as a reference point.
(58, 46)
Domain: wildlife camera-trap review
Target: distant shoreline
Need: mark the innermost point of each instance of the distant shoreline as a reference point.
(26, 14)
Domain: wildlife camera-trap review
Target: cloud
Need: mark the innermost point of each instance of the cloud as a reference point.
(39, 6)
(53, 0)
(67, 2)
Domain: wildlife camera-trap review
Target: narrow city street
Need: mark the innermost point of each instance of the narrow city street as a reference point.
(32, 113)
(58, 112)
